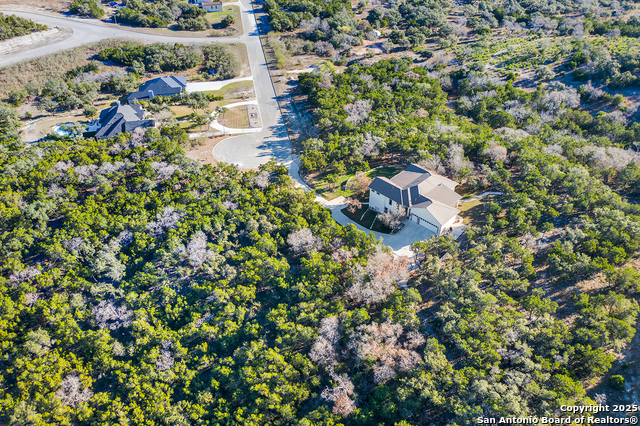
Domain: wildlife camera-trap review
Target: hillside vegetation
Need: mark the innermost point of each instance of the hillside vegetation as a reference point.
(140, 287)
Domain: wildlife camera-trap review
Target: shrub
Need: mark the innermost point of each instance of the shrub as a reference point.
(228, 20)
(617, 100)
(87, 8)
(14, 26)
(193, 24)
(16, 97)
(617, 382)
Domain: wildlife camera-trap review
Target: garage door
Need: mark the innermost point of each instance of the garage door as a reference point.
(430, 226)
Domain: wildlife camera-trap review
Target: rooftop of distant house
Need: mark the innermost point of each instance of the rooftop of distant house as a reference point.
(161, 86)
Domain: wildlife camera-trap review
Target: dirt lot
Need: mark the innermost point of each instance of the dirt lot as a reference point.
(203, 153)
(40, 6)
(236, 118)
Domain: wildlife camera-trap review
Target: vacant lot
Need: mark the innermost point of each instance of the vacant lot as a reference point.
(202, 149)
(36, 5)
(235, 118)
(215, 18)
(41, 69)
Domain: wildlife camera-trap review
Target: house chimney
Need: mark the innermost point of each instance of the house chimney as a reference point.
(150, 94)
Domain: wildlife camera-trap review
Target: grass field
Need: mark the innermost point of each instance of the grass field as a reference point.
(234, 90)
(215, 18)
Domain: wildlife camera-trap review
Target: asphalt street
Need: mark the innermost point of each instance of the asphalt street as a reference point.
(246, 151)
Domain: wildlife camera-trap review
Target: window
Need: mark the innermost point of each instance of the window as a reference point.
(390, 202)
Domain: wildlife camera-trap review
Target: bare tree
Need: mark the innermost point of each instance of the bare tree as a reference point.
(324, 48)
(109, 315)
(324, 350)
(303, 241)
(353, 205)
(593, 93)
(72, 392)
(394, 217)
(609, 157)
(382, 343)
(341, 255)
(433, 162)
(19, 277)
(197, 249)
(496, 152)
(340, 394)
(262, 179)
(373, 283)
(164, 170)
(539, 23)
(383, 373)
(167, 219)
(358, 112)
(457, 161)
(229, 205)
(370, 146)
(165, 361)
(517, 110)
(359, 184)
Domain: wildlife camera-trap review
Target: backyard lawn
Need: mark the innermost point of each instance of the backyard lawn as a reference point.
(473, 212)
(331, 190)
(384, 171)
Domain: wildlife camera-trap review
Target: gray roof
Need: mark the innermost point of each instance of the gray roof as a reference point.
(162, 86)
(417, 187)
(129, 112)
(121, 118)
(411, 176)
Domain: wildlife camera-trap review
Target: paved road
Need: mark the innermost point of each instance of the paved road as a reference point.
(247, 151)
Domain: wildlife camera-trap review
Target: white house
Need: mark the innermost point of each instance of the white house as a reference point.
(429, 198)
(212, 6)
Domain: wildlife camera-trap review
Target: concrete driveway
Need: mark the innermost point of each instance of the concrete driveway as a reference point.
(400, 243)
